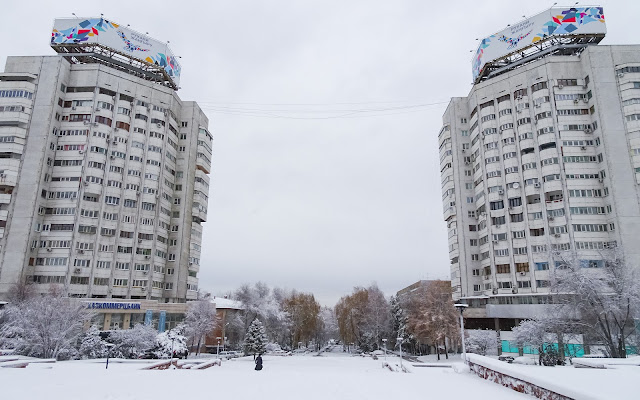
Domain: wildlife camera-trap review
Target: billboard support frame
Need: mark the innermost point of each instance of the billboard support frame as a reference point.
(567, 45)
(95, 53)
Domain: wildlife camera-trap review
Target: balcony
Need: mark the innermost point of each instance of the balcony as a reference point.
(521, 311)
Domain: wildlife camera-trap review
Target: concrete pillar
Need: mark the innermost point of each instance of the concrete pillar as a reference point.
(126, 321)
(496, 322)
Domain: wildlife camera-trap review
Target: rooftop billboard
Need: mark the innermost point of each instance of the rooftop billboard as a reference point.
(557, 21)
(79, 31)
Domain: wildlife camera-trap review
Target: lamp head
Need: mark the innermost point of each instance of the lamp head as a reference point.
(461, 306)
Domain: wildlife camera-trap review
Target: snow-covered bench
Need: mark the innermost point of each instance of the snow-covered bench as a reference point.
(208, 364)
(164, 364)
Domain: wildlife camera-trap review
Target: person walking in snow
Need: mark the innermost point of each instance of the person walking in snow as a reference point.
(259, 362)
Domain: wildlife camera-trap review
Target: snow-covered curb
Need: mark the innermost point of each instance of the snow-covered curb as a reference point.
(517, 373)
(603, 363)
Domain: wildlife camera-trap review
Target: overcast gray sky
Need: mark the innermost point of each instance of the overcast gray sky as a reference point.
(310, 189)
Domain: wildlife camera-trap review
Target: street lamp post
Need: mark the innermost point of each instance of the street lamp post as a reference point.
(171, 355)
(461, 307)
(384, 343)
(400, 345)
(218, 350)
(109, 347)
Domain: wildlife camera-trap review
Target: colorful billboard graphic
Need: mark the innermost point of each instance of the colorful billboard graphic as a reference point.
(120, 38)
(553, 22)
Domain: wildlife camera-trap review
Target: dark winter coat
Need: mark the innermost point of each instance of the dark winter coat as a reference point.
(259, 363)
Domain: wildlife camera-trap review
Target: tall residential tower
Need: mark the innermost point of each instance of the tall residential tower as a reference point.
(104, 170)
(542, 157)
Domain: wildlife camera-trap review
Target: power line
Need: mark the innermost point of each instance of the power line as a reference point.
(342, 113)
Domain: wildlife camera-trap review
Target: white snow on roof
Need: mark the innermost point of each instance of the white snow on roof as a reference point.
(221, 302)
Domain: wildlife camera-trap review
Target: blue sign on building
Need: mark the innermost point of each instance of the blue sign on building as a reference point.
(162, 320)
(148, 317)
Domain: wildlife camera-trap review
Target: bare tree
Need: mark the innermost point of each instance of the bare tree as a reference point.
(200, 320)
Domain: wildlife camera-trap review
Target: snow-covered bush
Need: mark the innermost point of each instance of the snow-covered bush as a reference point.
(171, 340)
(481, 342)
(271, 347)
(132, 343)
(92, 345)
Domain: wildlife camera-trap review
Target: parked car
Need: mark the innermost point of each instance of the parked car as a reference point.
(228, 354)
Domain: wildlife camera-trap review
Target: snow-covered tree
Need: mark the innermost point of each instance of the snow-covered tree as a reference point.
(481, 342)
(303, 311)
(535, 334)
(600, 298)
(47, 326)
(256, 339)
(432, 317)
(350, 311)
(328, 326)
(92, 345)
(132, 343)
(172, 340)
(200, 320)
(364, 317)
(377, 321)
(259, 301)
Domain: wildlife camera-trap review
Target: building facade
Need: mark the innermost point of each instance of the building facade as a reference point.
(104, 180)
(537, 161)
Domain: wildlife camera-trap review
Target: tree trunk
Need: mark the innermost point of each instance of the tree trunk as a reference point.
(561, 346)
(446, 353)
(438, 351)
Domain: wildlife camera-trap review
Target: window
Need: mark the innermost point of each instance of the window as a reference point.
(515, 202)
(130, 203)
(112, 200)
(498, 220)
(103, 120)
(538, 231)
(538, 86)
(121, 282)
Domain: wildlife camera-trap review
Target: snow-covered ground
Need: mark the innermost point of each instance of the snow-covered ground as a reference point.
(332, 376)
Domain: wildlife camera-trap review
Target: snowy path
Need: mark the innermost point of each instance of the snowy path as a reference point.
(329, 377)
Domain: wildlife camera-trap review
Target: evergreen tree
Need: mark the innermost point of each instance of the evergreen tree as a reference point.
(255, 340)
(92, 345)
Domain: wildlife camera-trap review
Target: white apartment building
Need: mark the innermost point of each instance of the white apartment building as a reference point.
(104, 177)
(542, 157)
